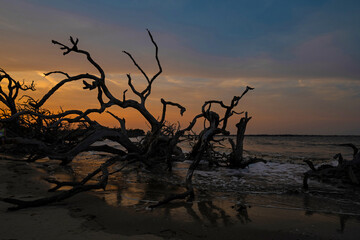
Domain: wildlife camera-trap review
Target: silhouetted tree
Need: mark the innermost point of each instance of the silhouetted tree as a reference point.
(158, 146)
(9, 95)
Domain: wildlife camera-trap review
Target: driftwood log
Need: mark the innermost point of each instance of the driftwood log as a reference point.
(345, 173)
(77, 187)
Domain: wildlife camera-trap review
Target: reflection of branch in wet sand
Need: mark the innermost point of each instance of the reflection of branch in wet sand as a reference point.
(306, 202)
(202, 211)
(242, 213)
(208, 210)
(118, 195)
(178, 205)
(191, 212)
(343, 218)
(243, 216)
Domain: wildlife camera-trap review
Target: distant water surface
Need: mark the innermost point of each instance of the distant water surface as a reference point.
(299, 148)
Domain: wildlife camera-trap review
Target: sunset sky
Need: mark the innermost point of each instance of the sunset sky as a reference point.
(302, 57)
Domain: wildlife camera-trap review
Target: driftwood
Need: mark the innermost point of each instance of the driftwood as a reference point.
(9, 96)
(205, 137)
(236, 159)
(57, 146)
(76, 188)
(41, 149)
(105, 98)
(65, 134)
(346, 172)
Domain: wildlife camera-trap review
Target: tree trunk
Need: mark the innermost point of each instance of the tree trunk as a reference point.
(236, 157)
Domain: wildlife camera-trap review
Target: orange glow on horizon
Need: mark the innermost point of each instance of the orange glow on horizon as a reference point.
(270, 114)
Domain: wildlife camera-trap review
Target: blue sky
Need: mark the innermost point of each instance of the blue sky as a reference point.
(303, 57)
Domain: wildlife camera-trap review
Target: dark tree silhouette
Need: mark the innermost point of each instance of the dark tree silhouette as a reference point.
(346, 172)
(9, 95)
(158, 147)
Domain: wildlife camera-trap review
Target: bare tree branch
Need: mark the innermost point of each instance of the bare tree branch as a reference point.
(165, 103)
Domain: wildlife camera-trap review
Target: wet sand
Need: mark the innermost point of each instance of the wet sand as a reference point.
(87, 216)
(57, 221)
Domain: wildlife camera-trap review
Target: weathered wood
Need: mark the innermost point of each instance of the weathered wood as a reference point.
(158, 146)
(346, 172)
(236, 157)
(66, 155)
(77, 188)
(205, 137)
(9, 96)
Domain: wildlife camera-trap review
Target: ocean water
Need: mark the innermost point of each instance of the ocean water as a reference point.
(275, 184)
(295, 149)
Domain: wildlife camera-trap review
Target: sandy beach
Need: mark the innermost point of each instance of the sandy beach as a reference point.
(87, 216)
(60, 221)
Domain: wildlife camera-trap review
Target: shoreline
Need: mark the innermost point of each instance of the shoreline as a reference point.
(89, 216)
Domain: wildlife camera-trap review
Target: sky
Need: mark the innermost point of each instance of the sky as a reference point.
(302, 57)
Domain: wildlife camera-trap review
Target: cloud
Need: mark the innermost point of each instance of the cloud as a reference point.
(174, 80)
(300, 47)
(233, 83)
(302, 57)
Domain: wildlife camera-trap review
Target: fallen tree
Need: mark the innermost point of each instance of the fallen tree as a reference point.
(346, 172)
(65, 134)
